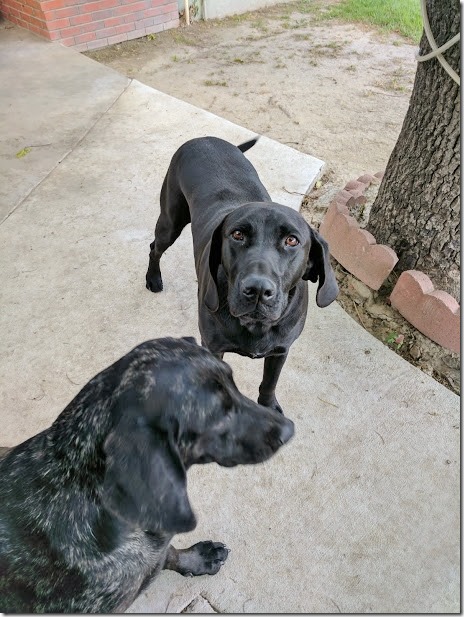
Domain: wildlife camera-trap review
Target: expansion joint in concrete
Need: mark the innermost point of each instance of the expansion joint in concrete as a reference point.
(78, 142)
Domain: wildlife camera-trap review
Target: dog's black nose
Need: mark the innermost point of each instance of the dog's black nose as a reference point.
(286, 431)
(258, 288)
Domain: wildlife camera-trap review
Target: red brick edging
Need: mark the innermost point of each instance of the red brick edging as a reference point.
(433, 312)
(353, 247)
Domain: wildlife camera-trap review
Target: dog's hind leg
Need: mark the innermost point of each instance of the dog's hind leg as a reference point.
(201, 558)
(173, 218)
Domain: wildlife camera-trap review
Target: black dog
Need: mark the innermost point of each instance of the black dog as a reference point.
(252, 256)
(89, 506)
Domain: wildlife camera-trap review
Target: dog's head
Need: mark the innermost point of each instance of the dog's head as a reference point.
(265, 250)
(177, 405)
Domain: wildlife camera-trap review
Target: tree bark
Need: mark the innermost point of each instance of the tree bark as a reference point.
(416, 211)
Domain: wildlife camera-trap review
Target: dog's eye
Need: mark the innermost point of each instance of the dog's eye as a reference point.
(237, 235)
(292, 241)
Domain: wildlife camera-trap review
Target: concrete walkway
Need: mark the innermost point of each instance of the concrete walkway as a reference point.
(360, 512)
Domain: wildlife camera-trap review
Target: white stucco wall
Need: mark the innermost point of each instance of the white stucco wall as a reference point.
(210, 9)
(221, 8)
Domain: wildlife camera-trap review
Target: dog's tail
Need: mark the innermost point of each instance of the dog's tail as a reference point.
(248, 144)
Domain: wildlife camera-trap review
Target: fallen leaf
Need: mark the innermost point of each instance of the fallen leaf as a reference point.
(23, 152)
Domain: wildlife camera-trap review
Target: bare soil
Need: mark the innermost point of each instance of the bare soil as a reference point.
(334, 90)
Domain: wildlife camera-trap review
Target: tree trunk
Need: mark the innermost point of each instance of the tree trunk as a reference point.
(416, 211)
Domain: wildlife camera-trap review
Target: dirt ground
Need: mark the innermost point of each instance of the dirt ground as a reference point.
(334, 90)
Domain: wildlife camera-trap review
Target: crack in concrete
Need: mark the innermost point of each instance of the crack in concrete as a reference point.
(191, 605)
(66, 154)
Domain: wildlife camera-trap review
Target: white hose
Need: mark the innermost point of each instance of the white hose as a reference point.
(437, 51)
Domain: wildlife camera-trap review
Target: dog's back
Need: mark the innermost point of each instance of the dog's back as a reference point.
(59, 552)
(43, 530)
(211, 177)
(211, 171)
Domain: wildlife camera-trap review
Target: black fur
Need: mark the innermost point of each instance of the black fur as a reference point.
(252, 296)
(89, 506)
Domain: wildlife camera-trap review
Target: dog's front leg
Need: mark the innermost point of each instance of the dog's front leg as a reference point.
(201, 558)
(272, 368)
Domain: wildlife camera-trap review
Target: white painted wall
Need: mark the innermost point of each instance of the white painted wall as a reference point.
(211, 9)
(221, 8)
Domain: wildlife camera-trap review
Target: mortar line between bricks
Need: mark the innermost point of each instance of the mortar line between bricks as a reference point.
(66, 154)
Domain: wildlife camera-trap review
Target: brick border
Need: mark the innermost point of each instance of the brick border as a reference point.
(90, 24)
(433, 312)
(353, 247)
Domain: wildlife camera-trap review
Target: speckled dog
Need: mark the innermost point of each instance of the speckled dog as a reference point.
(89, 506)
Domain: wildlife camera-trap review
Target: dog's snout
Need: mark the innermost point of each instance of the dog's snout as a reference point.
(287, 431)
(258, 288)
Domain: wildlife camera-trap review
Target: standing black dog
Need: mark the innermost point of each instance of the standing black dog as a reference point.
(252, 255)
(89, 506)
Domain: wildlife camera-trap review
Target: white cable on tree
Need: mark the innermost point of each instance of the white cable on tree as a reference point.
(437, 51)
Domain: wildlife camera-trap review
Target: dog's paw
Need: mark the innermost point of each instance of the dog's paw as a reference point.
(203, 558)
(270, 402)
(154, 283)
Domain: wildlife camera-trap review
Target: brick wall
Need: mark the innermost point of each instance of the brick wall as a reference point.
(88, 25)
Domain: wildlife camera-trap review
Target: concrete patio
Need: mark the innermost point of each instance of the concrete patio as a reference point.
(360, 512)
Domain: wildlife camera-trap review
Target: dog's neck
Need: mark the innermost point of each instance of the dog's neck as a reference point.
(75, 439)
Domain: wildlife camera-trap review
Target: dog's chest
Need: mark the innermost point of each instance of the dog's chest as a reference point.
(232, 337)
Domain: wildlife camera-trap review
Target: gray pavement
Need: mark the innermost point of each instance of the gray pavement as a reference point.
(360, 512)
(49, 99)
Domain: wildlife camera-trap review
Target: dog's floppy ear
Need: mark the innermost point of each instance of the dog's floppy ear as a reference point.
(189, 339)
(318, 267)
(145, 481)
(212, 254)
